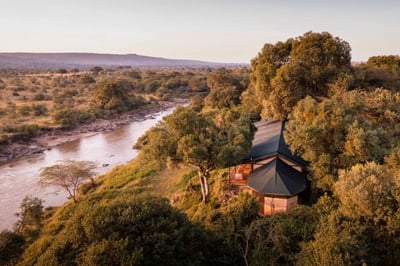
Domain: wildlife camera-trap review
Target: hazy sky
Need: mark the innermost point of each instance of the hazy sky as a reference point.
(219, 30)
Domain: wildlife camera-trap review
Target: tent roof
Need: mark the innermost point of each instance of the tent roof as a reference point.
(268, 141)
(277, 178)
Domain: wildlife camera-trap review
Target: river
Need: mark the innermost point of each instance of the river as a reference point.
(19, 177)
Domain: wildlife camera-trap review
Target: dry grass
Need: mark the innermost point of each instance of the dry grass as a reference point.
(166, 182)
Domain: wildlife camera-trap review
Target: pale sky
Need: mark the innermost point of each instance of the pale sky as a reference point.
(218, 31)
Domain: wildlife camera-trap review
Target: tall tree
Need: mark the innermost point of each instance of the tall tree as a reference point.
(30, 215)
(335, 134)
(226, 87)
(286, 72)
(200, 141)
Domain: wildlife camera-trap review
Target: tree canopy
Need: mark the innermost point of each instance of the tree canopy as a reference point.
(286, 72)
(124, 230)
(200, 140)
(114, 95)
(68, 175)
(338, 132)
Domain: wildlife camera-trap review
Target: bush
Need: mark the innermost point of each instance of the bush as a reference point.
(114, 96)
(28, 131)
(41, 97)
(24, 110)
(123, 231)
(96, 69)
(61, 71)
(40, 109)
(11, 247)
(70, 118)
(86, 79)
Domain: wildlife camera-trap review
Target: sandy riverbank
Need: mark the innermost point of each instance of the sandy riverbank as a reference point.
(57, 137)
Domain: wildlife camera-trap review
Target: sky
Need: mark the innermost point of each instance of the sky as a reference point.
(231, 31)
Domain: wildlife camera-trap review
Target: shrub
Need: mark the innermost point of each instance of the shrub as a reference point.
(39, 109)
(86, 79)
(41, 97)
(62, 71)
(11, 247)
(24, 110)
(70, 118)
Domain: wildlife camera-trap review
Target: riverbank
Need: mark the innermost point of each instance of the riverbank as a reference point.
(55, 137)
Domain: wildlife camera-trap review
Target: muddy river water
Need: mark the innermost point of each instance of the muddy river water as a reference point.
(19, 177)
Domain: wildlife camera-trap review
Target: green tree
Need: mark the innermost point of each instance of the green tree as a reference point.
(334, 134)
(70, 118)
(226, 88)
(286, 72)
(277, 239)
(68, 175)
(391, 62)
(30, 217)
(110, 96)
(357, 224)
(114, 96)
(338, 240)
(366, 190)
(198, 140)
(122, 230)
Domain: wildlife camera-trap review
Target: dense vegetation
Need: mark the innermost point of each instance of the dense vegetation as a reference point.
(35, 102)
(342, 118)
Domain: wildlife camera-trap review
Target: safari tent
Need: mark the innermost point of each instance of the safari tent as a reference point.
(270, 171)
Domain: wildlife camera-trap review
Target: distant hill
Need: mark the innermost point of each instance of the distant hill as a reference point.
(88, 60)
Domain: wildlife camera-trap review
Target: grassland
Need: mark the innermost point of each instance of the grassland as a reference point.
(56, 105)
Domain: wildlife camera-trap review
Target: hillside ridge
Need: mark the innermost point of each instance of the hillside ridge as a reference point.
(40, 61)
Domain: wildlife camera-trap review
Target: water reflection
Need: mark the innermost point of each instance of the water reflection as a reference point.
(19, 177)
(70, 146)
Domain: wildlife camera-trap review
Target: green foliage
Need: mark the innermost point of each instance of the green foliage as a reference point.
(23, 132)
(11, 247)
(70, 118)
(122, 231)
(285, 73)
(366, 191)
(198, 140)
(338, 241)
(226, 87)
(346, 129)
(40, 109)
(30, 217)
(198, 84)
(115, 96)
(391, 62)
(357, 225)
(24, 110)
(131, 174)
(51, 100)
(156, 143)
(87, 79)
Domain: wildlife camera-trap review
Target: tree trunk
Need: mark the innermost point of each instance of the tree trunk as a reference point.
(204, 186)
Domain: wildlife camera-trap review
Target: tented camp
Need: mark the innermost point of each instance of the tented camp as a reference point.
(270, 171)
